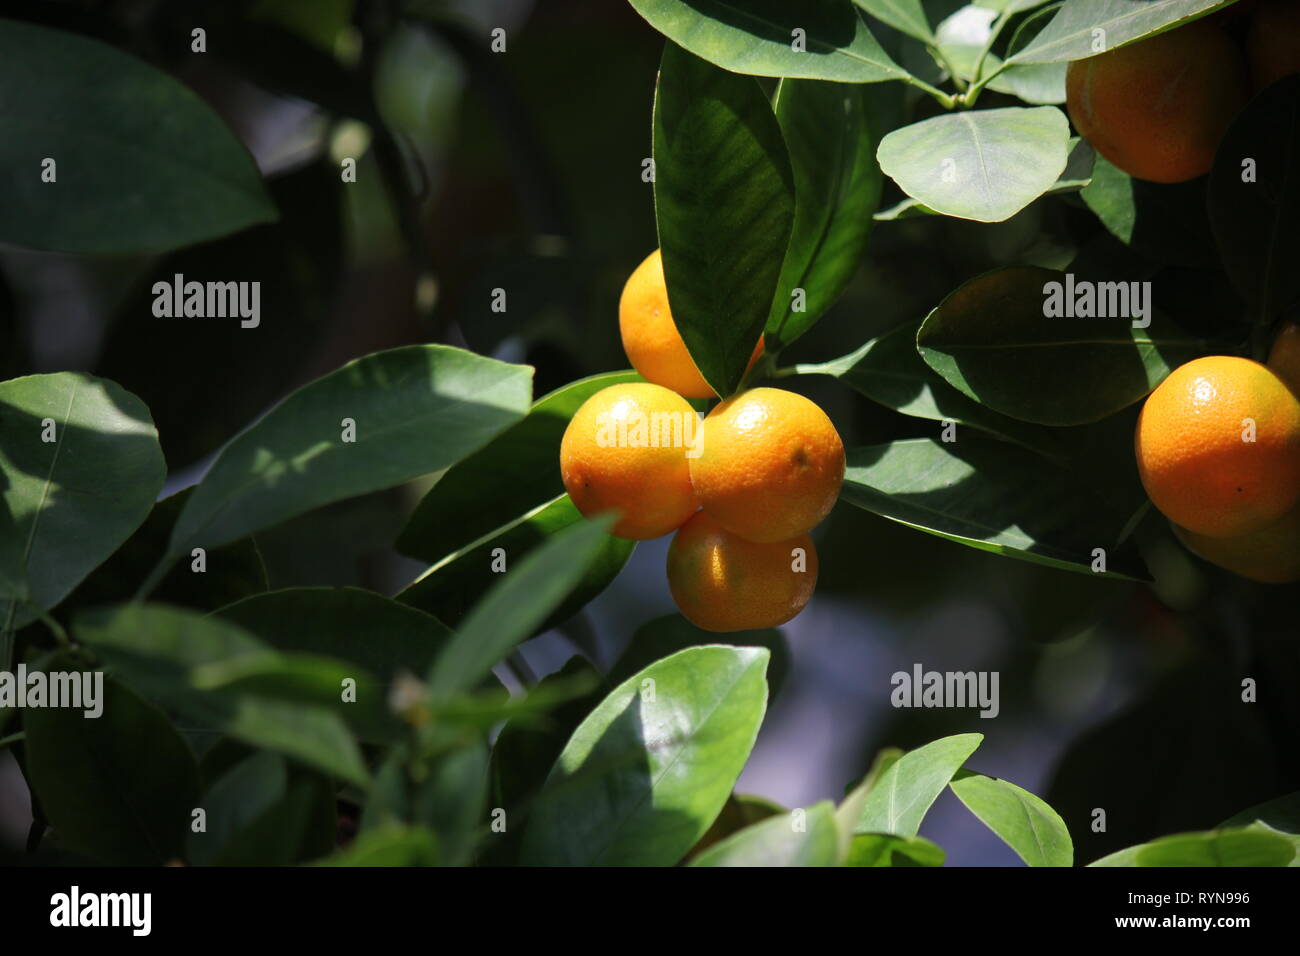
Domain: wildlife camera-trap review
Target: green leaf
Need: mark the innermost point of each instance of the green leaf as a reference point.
(416, 409)
(72, 500)
(1002, 340)
(1038, 83)
(994, 498)
(1023, 821)
(985, 165)
(393, 845)
(1249, 846)
(889, 370)
(242, 794)
(828, 132)
(157, 650)
(1166, 223)
(777, 841)
(512, 475)
(118, 787)
(374, 632)
(1254, 221)
(887, 849)
(850, 808)
(757, 37)
(451, 587)
(906, 16)
(521, 599)
(908, 788)
(1072, 33)
(1282, 814)
(646, 773)
(143, 164)
(724, 205)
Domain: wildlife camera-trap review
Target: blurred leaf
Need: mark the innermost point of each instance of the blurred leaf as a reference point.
(740, 811)
(828, 131)
(1254, 220)
(451, 588)
(908, 787)
(1280, 814)
(1072, 33)
(777, 842)
(144, 164)
(516, 604)
(1023, 821)
(906, 16)
(1240, 847)
(724, 203)
(985, 165)
(887, 849)
(508, 477)
(757, 36)
(118, 787)
(294, 459)
(644, 776)
(75, 499)
(995, 498)
(393, 845)
(994, 340)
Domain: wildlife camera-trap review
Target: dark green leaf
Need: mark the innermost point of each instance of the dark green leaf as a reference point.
(1073, 32)
(907, 16)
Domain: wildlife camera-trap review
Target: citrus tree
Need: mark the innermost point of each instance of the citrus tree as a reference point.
(1077, 407)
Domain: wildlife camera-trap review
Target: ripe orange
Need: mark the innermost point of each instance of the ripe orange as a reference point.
(1195, 455)
(1273, 42)
(626, 450)
(650, 337)
(1270, 555)
(1284, 356)
(1158, 108)
(771, 465)
(722, 582)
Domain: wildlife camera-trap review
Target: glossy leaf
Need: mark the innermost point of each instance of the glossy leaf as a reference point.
(646, 773)
(143, 164)
(1073, 31)
(1023, 821)
(994, 340)
(778, 841)
(832, 145)
(416, 409)
(900, 799)
(906, 16)
(724, 205)
(985, 165)
(757, 37)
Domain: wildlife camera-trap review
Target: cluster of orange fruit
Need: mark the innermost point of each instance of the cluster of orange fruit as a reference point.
(741, 488)
(1218, 450)
(1158, 108)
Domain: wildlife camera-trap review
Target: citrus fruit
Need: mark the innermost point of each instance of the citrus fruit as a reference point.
(1270, 555)
(721, 582)
(1218, 446)
(771, 464)
(1158, 108)
(1284, 356)
(650, 337)
(626, 450)
(1273, 42)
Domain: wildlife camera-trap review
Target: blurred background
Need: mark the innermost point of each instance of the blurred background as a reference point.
(522, 170)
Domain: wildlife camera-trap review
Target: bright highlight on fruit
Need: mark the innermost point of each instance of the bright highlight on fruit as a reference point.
(721, 582)
(626, 450)
(1218, 447)
(1158, 108)
(771, 466)
(650, 337)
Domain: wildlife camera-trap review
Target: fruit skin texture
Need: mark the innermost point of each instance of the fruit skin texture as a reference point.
(1193, 460)
(771, 466)
(1284, 356)
(1158, 108)
(1271, 555)
(1273, 42)
(722, 582)
(651, 486)
(650, 337)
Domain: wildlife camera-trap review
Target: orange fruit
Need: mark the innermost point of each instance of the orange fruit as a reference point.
(771, 465)
(626, 450)
(1273, 42)
(721, 582)
(1270, 555)
(1158, 108)
(650, 337)
(1195, 454)
(1284, 356)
